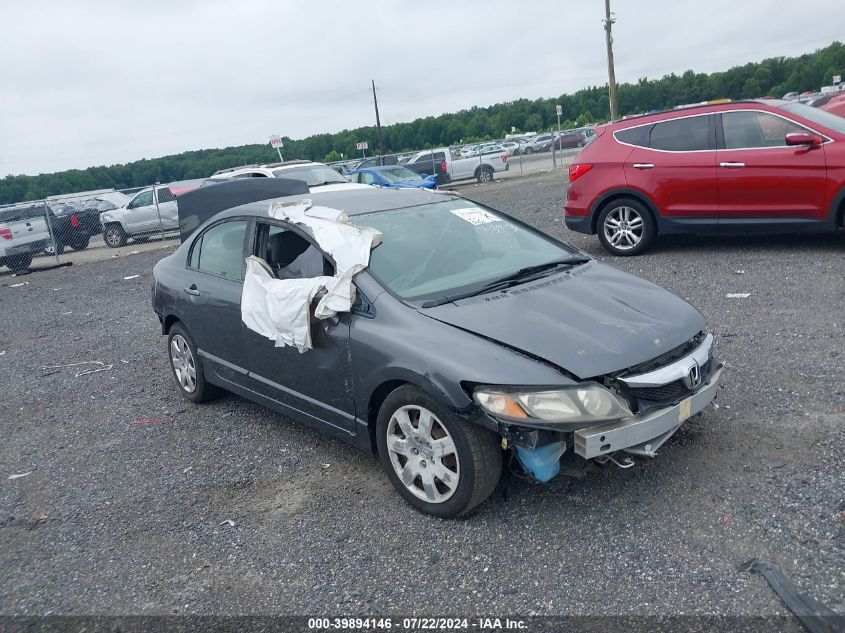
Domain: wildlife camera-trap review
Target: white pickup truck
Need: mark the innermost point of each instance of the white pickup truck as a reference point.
(23, 233)
(447, 164)
(139, 218)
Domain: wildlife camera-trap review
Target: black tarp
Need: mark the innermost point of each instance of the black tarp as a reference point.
(198, 205)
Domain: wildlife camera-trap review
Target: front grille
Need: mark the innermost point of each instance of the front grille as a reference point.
(672, 391)
(667, 358)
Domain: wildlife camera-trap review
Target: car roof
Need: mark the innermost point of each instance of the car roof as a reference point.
(352, 201)
(689, 110)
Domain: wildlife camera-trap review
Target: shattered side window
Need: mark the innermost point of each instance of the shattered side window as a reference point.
(291, 256)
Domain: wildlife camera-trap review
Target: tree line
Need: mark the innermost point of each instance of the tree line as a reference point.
(771, 77)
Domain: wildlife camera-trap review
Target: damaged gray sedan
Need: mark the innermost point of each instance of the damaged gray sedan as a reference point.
(472, 341)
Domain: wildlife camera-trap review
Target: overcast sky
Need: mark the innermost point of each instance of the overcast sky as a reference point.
(95, 83)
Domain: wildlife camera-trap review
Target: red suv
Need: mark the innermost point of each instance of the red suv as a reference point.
(765, 165)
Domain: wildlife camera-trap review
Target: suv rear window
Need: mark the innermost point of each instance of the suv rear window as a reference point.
(682, 135)
(632, 136)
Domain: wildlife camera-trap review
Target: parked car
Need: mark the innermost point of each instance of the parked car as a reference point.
(378, 161)
(449, 166)
(141, 218)
(511, 147)
(763, 166)
(835, 105)
(485, 367)
(393, 176)
(23, 234)
(317, 176)
(567, 140)
(73, 224)
(539, 143)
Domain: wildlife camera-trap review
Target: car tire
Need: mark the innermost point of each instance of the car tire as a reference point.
(529, 150)
(485, 174)
(626, 227)
(18, 263)
(187, 367)
(114, 236)
(470, 461)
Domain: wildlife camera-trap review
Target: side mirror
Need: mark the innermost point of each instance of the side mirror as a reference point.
(803, 138)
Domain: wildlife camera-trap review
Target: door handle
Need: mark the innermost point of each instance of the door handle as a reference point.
(643, 165)
(192, 290)
(732, 165)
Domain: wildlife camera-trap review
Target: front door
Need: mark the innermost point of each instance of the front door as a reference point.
(316, 383)
(141, 213)
(761, 177)
(674, 163)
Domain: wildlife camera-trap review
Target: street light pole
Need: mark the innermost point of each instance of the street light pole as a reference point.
(611, 74)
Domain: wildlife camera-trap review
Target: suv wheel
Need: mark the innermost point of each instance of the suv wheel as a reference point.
(187, 367)
(625, 227)
(114, 236)
(439, 464)
(529, 150)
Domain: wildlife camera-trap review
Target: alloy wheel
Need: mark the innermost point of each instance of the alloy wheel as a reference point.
(423, 454)
(112, 237)
(183, 363)
(623, 228)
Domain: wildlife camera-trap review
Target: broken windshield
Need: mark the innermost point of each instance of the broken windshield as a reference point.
(450, 247)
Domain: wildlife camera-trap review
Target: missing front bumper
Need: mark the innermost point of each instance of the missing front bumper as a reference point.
(644, 434)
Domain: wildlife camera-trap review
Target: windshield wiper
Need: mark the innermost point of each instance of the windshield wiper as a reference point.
(523, 274)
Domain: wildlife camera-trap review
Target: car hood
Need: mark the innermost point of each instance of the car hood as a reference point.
(590, 320)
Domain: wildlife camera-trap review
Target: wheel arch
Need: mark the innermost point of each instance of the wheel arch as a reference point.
(616, 194)
(168, 322)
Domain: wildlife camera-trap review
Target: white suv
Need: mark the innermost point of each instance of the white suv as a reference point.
(317, 176)
(23, 233)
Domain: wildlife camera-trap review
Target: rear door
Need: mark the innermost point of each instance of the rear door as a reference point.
(211, 294)
(167, 208)
(761, 177)
(673, 162)
(318, 382)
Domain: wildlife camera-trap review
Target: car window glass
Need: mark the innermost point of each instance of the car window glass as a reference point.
(749, 129)
(634, 136)
(142, 200)
(681, 135)
(368, 179)
(431, 249)
(291, 256)
(165, 195)
(221, 251)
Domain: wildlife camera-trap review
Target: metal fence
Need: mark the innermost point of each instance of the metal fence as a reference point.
(90, 226)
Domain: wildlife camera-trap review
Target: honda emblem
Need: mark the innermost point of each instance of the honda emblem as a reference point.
(693, 377)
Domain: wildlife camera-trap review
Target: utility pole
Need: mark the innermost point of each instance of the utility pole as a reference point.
(378, 122)
(611, 74)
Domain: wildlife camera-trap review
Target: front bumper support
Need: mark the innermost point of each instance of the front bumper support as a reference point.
(644, 434)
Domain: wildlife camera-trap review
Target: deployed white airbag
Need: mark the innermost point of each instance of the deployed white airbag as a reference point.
(280, 309)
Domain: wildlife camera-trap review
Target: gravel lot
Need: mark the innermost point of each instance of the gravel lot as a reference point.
(125, 509)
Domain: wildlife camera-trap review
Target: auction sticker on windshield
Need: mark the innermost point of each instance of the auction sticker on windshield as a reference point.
(474, 215)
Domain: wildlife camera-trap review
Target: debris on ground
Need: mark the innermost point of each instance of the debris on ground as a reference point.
(737, 295)
(102, 367)
(815, 616)
(19, 475)
(131, 277)
(148, 422)
(228, 522)
(23, 283)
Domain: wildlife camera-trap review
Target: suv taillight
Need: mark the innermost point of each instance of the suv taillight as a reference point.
(504, 158)
(578, 170)
(74, 221)
(6, 234)
(443, 167)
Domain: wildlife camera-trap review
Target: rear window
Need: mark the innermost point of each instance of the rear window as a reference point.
(632, 136)
(682, 135)
(21, 213)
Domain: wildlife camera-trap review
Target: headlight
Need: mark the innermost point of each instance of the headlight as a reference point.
(578, 404)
